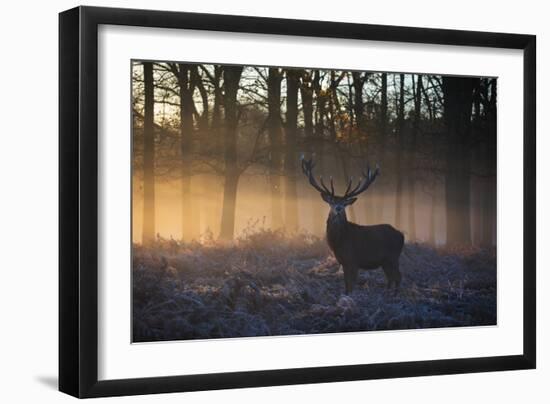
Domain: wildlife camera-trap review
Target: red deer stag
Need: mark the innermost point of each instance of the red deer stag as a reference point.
(354, 246)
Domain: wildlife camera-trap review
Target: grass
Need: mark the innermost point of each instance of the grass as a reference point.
(269, 283)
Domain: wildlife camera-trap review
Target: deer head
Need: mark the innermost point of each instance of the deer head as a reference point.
(337, 203)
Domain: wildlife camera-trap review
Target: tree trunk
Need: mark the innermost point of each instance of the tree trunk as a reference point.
(417, 92)
(488, 207)
(477, 103)
(320, 102)
(350, 106)
(216, 124)
(379, 210)
(358, 105)
(291, 199)
(458, 97)
(432, 223)
(211, 190)
(148, 235)
(196, 82)
(201, 191)
(232, 76)
(188, 215)
(332, 110)
(399, 156)
(306, 92)
(384, 104)
(228, 205)
(275, 139)
(428, 104)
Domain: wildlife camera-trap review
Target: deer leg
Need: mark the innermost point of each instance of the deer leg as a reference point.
(350, 278)
(393, 276)
(397, 279)
(396, 274)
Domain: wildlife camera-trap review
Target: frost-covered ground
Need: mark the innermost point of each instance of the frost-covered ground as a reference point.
(270, 284)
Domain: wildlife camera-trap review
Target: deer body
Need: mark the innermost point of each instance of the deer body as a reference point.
(355, 246)
(365, 247)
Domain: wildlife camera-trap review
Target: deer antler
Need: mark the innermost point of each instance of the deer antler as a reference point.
(307, 169)
(368, 178)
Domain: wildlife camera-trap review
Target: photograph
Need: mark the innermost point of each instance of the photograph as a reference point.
(276, 201)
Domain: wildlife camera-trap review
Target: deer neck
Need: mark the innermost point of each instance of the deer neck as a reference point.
(336, 228)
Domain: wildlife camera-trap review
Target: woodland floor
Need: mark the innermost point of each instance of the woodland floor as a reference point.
(269, 284)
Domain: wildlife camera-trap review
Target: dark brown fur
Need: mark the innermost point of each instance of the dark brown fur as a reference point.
(364, 247)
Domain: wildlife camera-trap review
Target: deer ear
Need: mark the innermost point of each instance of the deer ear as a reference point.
(326, 198)
(349, 201)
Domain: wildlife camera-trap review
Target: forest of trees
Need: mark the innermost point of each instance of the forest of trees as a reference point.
(201, 130)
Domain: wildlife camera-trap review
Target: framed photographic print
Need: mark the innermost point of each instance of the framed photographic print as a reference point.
(251, 201)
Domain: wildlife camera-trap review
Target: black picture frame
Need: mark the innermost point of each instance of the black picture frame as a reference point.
(78, 201)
